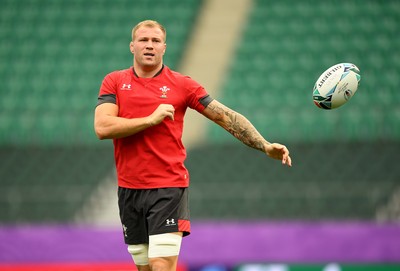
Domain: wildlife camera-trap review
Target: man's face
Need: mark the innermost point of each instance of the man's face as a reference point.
(148, 46)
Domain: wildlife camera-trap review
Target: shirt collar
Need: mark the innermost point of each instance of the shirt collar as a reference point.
(158, 73)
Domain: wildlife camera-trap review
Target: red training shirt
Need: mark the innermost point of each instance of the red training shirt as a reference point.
(154, 157)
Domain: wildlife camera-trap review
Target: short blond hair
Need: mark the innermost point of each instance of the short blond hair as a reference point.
(149, 23)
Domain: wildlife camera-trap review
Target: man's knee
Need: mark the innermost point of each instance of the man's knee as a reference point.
(160, 254)
(164, 250)
(163, 263)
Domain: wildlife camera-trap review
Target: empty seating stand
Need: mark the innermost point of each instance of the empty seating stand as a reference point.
(286, 45)
(338, 155)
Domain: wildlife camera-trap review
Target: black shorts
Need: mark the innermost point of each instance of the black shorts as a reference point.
(145, 212)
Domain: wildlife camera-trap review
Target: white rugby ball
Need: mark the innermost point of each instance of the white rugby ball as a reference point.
(336, 86)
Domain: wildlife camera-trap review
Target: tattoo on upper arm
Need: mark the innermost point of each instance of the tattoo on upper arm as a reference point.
(239, 126)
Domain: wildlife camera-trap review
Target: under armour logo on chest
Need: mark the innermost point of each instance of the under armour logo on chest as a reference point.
(126, 87)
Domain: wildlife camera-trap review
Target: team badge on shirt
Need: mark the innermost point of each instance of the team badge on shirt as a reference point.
(164, 91)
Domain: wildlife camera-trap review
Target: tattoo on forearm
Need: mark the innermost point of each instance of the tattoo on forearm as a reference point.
(239, 127)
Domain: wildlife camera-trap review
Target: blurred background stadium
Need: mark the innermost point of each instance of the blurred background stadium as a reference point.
(261, 58)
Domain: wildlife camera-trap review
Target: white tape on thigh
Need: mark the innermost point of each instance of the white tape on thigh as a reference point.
(164, 245)
(139, 253)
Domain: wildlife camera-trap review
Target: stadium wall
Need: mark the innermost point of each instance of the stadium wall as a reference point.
(224, 243)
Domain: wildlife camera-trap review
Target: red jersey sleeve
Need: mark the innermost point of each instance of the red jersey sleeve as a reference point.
(196, 94)
(108, 89)
(109, 84)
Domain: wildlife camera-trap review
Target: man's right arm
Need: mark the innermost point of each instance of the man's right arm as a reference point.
(108, 125)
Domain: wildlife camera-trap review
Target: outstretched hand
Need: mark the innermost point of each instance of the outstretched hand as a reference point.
(279, 152)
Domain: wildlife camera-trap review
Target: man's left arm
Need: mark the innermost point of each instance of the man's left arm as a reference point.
(241, 128)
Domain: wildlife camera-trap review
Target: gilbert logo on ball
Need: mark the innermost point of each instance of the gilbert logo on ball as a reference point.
(336, 86)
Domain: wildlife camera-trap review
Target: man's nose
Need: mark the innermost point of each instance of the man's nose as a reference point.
(149, 45)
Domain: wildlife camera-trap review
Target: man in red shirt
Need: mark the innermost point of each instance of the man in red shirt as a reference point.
(142, 109)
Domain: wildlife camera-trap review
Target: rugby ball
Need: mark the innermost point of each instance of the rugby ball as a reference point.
(336, 86)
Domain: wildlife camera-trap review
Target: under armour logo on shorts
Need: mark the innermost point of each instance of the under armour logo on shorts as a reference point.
(170, 222)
